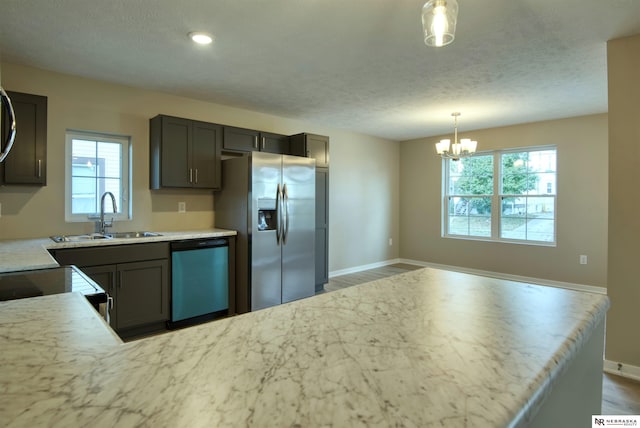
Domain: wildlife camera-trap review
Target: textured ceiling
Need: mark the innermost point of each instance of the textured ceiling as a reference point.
(359, 65)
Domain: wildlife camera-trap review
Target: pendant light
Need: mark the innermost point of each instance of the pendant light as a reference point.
(465, 148)
(439, 22)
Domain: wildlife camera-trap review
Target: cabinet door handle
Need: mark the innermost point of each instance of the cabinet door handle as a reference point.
(39, 168)
(196, 175)
(190, 175)
(255, 142)
(263, 143)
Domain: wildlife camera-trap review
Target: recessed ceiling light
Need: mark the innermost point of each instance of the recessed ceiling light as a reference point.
(201, 38)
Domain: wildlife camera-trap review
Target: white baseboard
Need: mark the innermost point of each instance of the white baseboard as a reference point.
(362, 267)
(509, 277)
(498, 275)
(620, 369)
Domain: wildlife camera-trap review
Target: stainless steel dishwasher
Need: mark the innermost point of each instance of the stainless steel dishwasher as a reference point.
(199, 280)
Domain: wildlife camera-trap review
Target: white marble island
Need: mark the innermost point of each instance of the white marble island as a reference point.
(426, 348)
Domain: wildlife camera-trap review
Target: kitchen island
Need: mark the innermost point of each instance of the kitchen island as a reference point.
(425, 348)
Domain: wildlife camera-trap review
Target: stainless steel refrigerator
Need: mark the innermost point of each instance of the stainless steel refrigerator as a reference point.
(269, 199)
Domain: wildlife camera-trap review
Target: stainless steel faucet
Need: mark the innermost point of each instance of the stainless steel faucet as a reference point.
(103, 224)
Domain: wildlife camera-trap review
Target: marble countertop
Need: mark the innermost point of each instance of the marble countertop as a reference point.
(425, 348)
(27, 254)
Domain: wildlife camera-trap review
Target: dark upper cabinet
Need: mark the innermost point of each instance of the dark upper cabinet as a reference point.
(240, 139)
(275, 143)
(247, 140)
(27, 161)
(311, 146)
(184, 153)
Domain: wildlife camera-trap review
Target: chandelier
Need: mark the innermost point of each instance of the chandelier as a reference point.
(439, 22)
(463, 149)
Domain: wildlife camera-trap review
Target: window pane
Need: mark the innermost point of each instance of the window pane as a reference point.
(515, 178)
(469, 216)
(471, 176)
(542, 161)
(513, 228)
(514, 207)
(110, 153)
(96, 168)
(83, 197)
(528, 218)
(540, 230)
(540, 207)
(542, 183)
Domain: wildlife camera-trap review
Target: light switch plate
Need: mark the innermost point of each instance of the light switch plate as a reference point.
(182, 207)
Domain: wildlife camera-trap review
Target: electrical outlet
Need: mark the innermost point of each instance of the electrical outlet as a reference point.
(182, 207)
(390, 241)
(583, 259)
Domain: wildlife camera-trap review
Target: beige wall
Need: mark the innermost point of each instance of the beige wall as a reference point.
(623, 318)
(581, 211)
(359, 164)
(366, 203)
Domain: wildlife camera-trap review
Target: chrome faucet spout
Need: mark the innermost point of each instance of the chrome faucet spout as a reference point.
(103, 225)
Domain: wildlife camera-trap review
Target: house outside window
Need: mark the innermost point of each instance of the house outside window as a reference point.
(95, 164)
(505, 195)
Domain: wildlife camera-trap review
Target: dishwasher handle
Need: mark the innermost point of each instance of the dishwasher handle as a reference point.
(194, 244)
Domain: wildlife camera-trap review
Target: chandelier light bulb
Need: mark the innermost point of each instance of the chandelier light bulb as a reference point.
(439, 19)
(439, 25)
(201, 38)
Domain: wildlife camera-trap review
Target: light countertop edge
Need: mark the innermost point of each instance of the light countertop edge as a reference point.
(31, 254)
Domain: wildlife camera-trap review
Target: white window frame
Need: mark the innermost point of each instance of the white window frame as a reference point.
(496, 199)
(124, 204)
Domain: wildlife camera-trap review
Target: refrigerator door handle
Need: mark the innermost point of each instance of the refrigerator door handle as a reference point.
(278, 214)
(285, 202)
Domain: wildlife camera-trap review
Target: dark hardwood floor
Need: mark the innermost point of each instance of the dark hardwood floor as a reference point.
(620, 396)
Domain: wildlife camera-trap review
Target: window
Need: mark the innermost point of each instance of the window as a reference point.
(95, 164)
(502, 196)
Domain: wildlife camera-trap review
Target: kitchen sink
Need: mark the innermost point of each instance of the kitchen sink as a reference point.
(94, 236)
(78, 238)
(116, 235)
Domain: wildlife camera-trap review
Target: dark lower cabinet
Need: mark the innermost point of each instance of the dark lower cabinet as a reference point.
(140, 291)
(105, 277)
(27, 161)
(135, 275)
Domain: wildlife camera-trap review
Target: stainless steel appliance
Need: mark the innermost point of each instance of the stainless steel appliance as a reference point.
(42, 282)
(269, 200)
(6, 146)
(199, 280)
